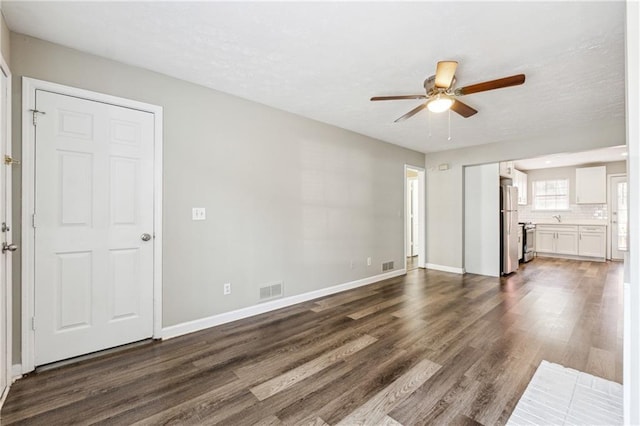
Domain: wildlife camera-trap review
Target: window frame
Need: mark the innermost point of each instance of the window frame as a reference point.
(556, 197)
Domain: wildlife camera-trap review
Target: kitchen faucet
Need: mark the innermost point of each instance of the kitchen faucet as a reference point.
(556, 217)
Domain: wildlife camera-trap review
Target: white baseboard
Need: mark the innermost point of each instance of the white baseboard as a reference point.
(16, 371)
(572, 257)
(212, 321)
(3, 396)
(444, 268)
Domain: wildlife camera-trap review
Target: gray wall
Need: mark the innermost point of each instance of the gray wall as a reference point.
(568, 173)
(288, 199)
(5, 40)
(482, 219)
(445, 188)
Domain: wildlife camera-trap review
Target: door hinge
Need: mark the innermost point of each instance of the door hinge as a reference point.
(35, 113)
(33, 220)
(10, 161)
(33, 323)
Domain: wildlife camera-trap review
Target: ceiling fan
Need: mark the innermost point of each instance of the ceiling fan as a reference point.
(440, 94)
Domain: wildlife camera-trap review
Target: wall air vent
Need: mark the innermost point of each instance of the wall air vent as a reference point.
(387, 266)
(271, 291)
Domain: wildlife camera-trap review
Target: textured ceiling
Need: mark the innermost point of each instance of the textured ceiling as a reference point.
(603, 155)
(324, 60)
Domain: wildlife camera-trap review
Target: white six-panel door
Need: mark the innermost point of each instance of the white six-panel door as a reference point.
(93, 217)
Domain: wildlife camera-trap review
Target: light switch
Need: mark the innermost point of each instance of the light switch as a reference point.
(198, 213)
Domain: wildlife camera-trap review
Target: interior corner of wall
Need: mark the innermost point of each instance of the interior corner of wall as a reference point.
(5, 40)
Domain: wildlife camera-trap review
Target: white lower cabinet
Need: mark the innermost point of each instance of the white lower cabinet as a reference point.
(592, 241)
(571, 240)
(557, 239)
(520, 252)
(567, 242)
(545, 240)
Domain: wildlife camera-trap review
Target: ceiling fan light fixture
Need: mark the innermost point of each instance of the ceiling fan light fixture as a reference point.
(440, 103)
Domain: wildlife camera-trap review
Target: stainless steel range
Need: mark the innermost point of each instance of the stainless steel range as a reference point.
(528, 241)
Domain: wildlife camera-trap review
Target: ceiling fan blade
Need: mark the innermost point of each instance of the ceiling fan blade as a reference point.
(395, 98)
(412, 112)
(514, 80)
(463, 109)
(444, 73)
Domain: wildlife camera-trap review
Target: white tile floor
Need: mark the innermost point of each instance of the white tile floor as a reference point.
(558, 395)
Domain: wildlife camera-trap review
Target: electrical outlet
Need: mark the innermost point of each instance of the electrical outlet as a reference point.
(227, 288)
(198, 213)
(368, 261)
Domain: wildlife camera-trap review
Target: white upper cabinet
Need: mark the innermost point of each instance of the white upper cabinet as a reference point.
(591, 185)
(520, 181)
(506, 169)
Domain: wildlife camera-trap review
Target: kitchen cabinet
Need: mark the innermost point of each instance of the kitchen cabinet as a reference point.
(592, 241)
(545, 240)
(567, 242)
(520, 180)
(591, 185)
(506, 169)
(572, 240)
(520, 248)
(557, 239)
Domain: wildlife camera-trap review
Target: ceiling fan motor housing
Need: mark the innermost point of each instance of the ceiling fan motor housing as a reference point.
(430, 85)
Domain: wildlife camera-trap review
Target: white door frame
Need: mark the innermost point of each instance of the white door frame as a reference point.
(421, 214)
(29, 87)
(609, 208)
(7, 320)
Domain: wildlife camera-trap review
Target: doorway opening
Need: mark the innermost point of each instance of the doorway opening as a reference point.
(577, 203)
(414, 189)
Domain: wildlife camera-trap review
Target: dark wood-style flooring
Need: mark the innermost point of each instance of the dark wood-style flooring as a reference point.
(426, 348)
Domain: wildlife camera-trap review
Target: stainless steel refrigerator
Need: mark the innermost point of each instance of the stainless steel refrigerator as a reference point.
(508, 229)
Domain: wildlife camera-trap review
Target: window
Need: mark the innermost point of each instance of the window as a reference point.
(622, 214)
(551, 194)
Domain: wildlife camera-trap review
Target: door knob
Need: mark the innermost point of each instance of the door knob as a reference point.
(9, 247)
(145, 237)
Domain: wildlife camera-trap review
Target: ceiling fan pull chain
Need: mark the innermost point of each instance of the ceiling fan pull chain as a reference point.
(449, 138)
(429, 112)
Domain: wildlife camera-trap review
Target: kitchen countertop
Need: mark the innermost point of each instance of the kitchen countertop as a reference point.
(573, 222)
